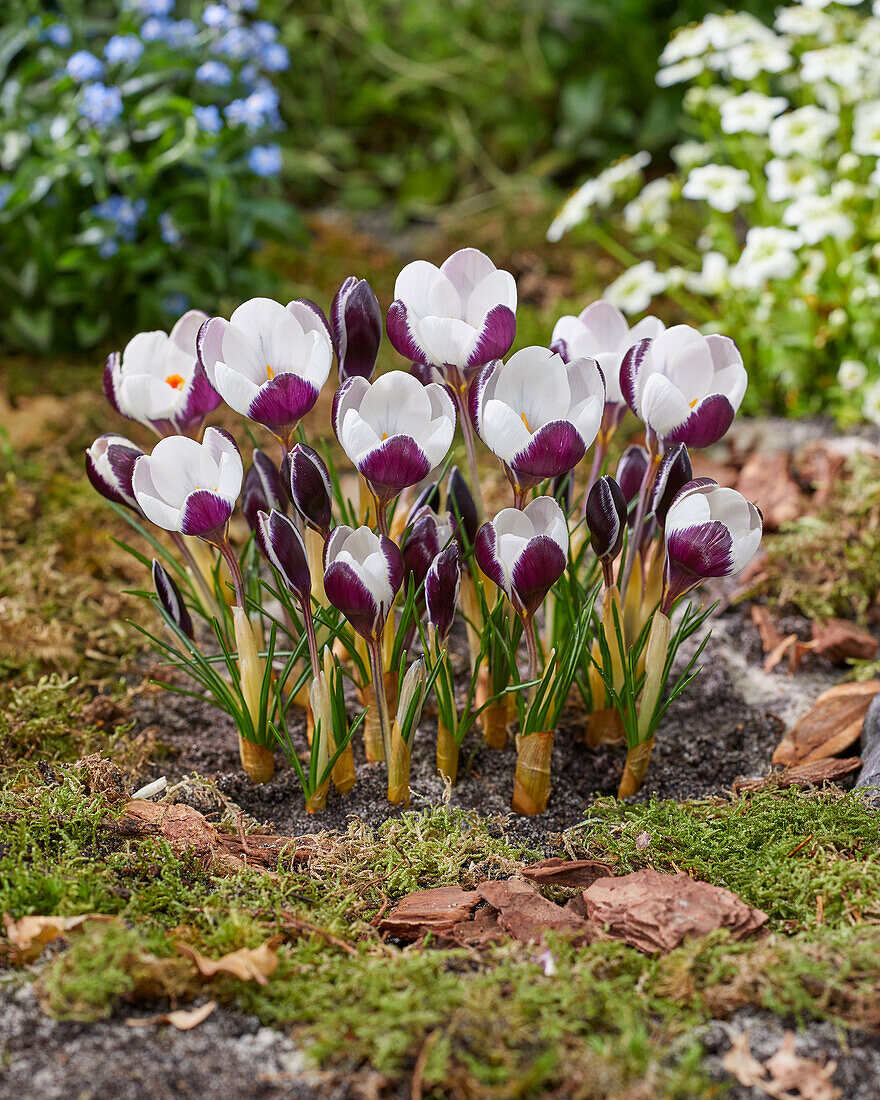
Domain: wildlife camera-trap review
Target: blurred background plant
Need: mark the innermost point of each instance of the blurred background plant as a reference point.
(139, 164)
(769, 229)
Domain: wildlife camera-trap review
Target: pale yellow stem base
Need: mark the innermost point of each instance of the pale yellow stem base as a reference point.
(447, 754)
(605, 727)
(531, 784)
(634, 769)
(258, 761)
(398, 769)
(373, 745)
(495, 718)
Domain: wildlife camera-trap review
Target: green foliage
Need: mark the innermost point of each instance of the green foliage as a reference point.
(423, 103)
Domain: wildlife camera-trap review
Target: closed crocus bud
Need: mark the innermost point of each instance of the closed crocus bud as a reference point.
(158, 380)
(308, 484)
(601, 332)
(356, 328)
(427, 537)
(110, 467)
(524, 552)
(537, 414)
(674, 473)
(631, 471)
(363, 573)
(460, 502)
(395, 430)
(442, 585)
(606, 519)
(428, 498)
(459, 315)
(685, 387)
(268, 361)
(710, 532)
(171, 600)
(285, 551)
(261, 491)
(190, 487)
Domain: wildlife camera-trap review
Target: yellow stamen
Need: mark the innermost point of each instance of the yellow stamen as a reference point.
(175, 381)
(270, 374)
(695, 400)
(528, 429)
(384, 436)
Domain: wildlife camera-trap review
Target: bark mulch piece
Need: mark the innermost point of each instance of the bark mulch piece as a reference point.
(831, 725)
(527, 915)
(437, 911)
(566, 872)
(766, 479)
(812, 773)
(656, 913)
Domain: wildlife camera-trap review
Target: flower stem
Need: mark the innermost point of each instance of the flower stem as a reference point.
(180, 542)
(459, 389)
(310, 634)
(228, 554)
(532, 649)
(375, 648)
(381, 515)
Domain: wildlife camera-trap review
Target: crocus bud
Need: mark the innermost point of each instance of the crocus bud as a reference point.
(285, 550)
(356, 328)
(631, 471)
(710, 532)
(423, 372)
(427, 536)
(606, 518)
(441, 589)
(110, 466)
(261, 490)
(460, 502)
(429, 498)
(412, 696)
(171, 600)
(363, 573)
(308, 483)
(675, 472)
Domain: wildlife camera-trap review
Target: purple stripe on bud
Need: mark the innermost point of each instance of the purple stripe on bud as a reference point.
(400, 334)
(283, 402)
(460, 502)
(442, 585)
(419, 549)
(555, 449)
(693, 553)
(307, 482)
(110, 466)
(428, 498)
(629, 371)
(171, 600)
(356, 328)
(537, 569)
(706, 425)
(631, 471)
(395, 464)
(674, 473)
(108, 380)
(563, 490)
(497, 334)
(485, 551)
(205, 513)
(261, 491)
(606, 518)
(285, 551)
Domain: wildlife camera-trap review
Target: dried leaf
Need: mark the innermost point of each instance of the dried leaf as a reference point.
(527, 915)
(183, 1019)
(811, 773)
(29, 935)
(654, 912)
(770, 633)
(436, 911)
(741, 1063)
(840, 641)
(789, 1073)
(255, 964)
(565, 872)
(766, 479)
(832, 724)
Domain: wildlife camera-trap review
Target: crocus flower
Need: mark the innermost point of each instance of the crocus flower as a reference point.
(710, 532)
(606, 519)
(685, 387)
(356, 327)
(268, 362)
(524, 552)
(601, 332)
(307, 481)
(110, 467)
(190, 487)
(442, 584)
(394, 430)
(158, 380)
(171, 600)
(674, 473)
(427, 536)
(261, 491)
(537, 413)
(460, 315)
(363, 573)
(285, 551)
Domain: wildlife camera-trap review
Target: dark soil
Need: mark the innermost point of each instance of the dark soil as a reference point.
(708, 738)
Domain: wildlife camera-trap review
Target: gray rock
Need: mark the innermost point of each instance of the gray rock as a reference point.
(869, 776)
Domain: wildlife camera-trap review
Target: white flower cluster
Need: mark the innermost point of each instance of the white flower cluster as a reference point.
(785, 183)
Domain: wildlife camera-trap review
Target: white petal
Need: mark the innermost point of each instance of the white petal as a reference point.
(497, 289)
(503, 430)
(175, 468)
(155, 509)
(547, 518)
(607, 325)
(236, 390)
(397, 404)
(414, 285)
(183, 335)
(145, 397)
(256, 318)
(445, 339)
(662, 405)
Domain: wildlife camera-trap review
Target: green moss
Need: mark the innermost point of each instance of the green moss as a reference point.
(779, 850)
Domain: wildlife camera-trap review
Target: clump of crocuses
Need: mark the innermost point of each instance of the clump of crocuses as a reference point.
(569, 598)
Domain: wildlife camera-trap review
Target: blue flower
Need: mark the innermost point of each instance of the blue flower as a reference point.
(180, 34)
(124, 213)
(238, 42)
(5, 191)
(274, 58)
(106, 249)
(59, 34)
(265, 160)
(123, 48)
(216, 15)
(242, 5)
(100, 105)
(208, 119)
(83, 65)
(265, 32)
(154, 29)
(214, 72)
(155, 7)
(168, 230)
(175, 303)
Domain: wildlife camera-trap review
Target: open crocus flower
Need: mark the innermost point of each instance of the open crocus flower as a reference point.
(537, 413)
(268, 361)
(524, 552)
(394, 430)
(685, 387)
(110, 467)
(710, 532)
(158, 380)
(460, 315)
(601, 332)
(363, 573)
(190, 487)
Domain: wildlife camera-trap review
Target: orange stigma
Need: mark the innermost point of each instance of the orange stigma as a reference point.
(528, 429)
(175, 381)
(270, 374)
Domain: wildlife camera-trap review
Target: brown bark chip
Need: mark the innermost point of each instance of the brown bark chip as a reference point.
(566, 872)
(527, 916)
(437, 911)
(654, 912)
(832, 724)
(766, 479)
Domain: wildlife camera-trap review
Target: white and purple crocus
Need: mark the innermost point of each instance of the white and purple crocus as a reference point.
(363, 573)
